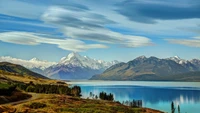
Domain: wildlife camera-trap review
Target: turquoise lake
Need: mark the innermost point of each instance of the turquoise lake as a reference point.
(156, 95)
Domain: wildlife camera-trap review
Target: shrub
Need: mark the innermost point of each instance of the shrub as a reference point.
(36, 105)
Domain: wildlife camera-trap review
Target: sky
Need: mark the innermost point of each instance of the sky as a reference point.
(101, 29)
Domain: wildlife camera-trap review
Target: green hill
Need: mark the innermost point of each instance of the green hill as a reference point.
(18, 69)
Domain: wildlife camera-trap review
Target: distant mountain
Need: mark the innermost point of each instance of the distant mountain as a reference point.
(33, 64)
(75, 66)
(193, 76)
(186, 63)
(152, 68)
(196, 62)
(18, 69)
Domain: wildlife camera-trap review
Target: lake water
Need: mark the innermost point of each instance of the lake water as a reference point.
(157, 95)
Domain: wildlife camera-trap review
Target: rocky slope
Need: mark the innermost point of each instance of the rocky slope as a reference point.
(75, 66)
(151, 68)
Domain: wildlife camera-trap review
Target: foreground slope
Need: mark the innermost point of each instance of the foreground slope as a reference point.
(52, 103)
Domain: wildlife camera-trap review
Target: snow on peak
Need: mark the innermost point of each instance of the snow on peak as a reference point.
(34, 59)
(32, 63)
(76, 60)
(178, 60)
(70, 58)
(73, 54)
(177, 57)
(141, 57)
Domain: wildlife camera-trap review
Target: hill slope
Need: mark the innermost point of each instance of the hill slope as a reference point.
(143, 68)
(18, 69)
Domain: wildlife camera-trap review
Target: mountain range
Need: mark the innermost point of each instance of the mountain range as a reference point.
(73, 66)
(152, 68)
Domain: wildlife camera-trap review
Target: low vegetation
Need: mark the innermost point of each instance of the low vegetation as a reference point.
(105, 96)
(50, 89)
(6, 89)
(53, 103)
(37, 105)
(133, 103)
(15, 96)
(55, 97)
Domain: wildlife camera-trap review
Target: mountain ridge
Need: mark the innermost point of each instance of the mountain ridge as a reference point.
(75, 66)
(151, 68)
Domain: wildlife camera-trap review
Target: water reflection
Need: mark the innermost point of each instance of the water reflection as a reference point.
(151, 95)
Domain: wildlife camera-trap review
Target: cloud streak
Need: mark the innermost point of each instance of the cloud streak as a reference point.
(27, 38)
(21, 9)
(193, 42)
(150, 11)
(85, 25)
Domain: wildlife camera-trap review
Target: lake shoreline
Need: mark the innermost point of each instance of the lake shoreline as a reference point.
(156, 95)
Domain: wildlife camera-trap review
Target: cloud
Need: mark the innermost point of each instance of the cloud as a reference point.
(82, 19)
(27, 38)
(193, 42)
(86, 25)
(21, 9)
(145, 11)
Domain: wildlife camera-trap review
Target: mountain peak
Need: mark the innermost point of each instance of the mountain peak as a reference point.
(141, 57)
(73, 54)
(76, 60)
(34, 59)
(177, 57)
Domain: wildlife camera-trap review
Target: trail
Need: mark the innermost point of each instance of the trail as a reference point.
(34, 97)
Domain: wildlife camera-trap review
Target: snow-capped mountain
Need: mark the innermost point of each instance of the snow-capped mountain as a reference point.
(196, 62)
(31, 64)
(76, 60)
(185, 63)
(75, 66)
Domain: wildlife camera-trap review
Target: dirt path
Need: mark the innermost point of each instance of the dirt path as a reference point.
(34, 97)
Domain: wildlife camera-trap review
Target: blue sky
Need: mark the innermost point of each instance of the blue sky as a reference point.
(101, 29)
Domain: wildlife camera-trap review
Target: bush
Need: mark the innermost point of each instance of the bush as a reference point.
(36, 105)
(50, 89)
(105, 96)
(6, 89)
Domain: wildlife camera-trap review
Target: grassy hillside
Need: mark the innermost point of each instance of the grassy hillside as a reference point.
(18, 69)
(48, 103)
(17, 78)
(189, 76)
(54, 103)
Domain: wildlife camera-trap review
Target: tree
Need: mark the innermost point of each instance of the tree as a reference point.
(104, 96)
(172, 107)
(179, 111)
(91, 94)
(76, 91)
(96, 97)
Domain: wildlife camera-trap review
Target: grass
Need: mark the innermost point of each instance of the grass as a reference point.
(53, 103)
(16, 96)
(12, 77)
(4, 86)
(49, 103)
